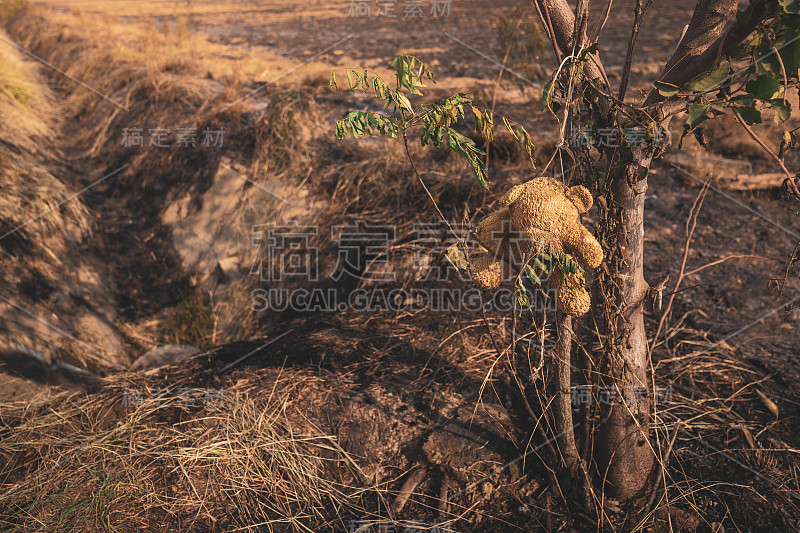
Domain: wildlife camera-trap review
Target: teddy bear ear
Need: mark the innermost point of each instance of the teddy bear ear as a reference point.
(580, 197)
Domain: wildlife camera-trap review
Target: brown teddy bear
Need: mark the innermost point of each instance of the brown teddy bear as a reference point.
(540, 216)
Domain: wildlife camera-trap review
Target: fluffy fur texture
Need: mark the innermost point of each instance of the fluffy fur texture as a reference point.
(539, 216)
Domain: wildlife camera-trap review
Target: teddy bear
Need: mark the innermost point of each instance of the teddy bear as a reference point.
(540, 216)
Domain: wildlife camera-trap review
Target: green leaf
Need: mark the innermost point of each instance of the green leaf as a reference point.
(711, 81)
(522, 296)
(404, 102)
(743, 17)
(666, 89)
(697, 114)
(783, 110)
(765, 87)
(790, 6)
(751, 115)
(404, 71)
(745, 100)
(790, 53)
(532, 276)
(547, 94)
(456, 257)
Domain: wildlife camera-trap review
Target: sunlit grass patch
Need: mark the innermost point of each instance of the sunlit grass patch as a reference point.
(17, 79)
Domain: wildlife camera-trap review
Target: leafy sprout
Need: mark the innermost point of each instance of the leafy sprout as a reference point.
(437, 121)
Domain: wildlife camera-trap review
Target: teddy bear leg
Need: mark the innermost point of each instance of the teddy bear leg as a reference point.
(571, 296)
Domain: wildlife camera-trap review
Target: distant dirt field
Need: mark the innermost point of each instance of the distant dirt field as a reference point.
(298, 30)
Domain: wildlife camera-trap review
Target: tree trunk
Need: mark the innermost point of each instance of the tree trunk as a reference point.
(624, 451)
(624, 454)
(562, 404)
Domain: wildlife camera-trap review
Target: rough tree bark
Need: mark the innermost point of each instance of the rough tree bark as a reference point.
(562, 404)
(623, 447)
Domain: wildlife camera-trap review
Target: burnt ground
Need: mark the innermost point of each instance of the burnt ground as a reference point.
(405, 390)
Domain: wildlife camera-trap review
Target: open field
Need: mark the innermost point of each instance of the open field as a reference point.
(216, 317)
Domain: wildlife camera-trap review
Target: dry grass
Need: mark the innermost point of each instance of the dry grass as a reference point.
(165, 76)
(729, 453)
(10, 8)
(185, 458)
(33, 197)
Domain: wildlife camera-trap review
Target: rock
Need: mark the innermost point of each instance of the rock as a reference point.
(462, 454)
(163, 355)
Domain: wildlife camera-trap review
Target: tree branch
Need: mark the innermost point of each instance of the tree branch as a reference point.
(696, 52)
(761, 143)
(707, 24)
(562, 23)
(626, 70)
(562, 405)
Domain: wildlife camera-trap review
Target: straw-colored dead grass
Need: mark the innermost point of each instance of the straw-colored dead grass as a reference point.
(33, 197)
(195, 459)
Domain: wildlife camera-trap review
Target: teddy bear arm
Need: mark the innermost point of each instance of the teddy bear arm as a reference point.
(513, 193)
(583, 246)
(488, 272)
(492, 233)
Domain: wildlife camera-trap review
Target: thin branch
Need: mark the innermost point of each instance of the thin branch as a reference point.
(761, 143)
(500, 78)
(661, 471)
(544, 15)
(718, 261)
(579, 26)
(428, 192)
(792, 260)
(690, 221)
(783, 72)
(626, 70)
(596, 33)
(562, 21)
